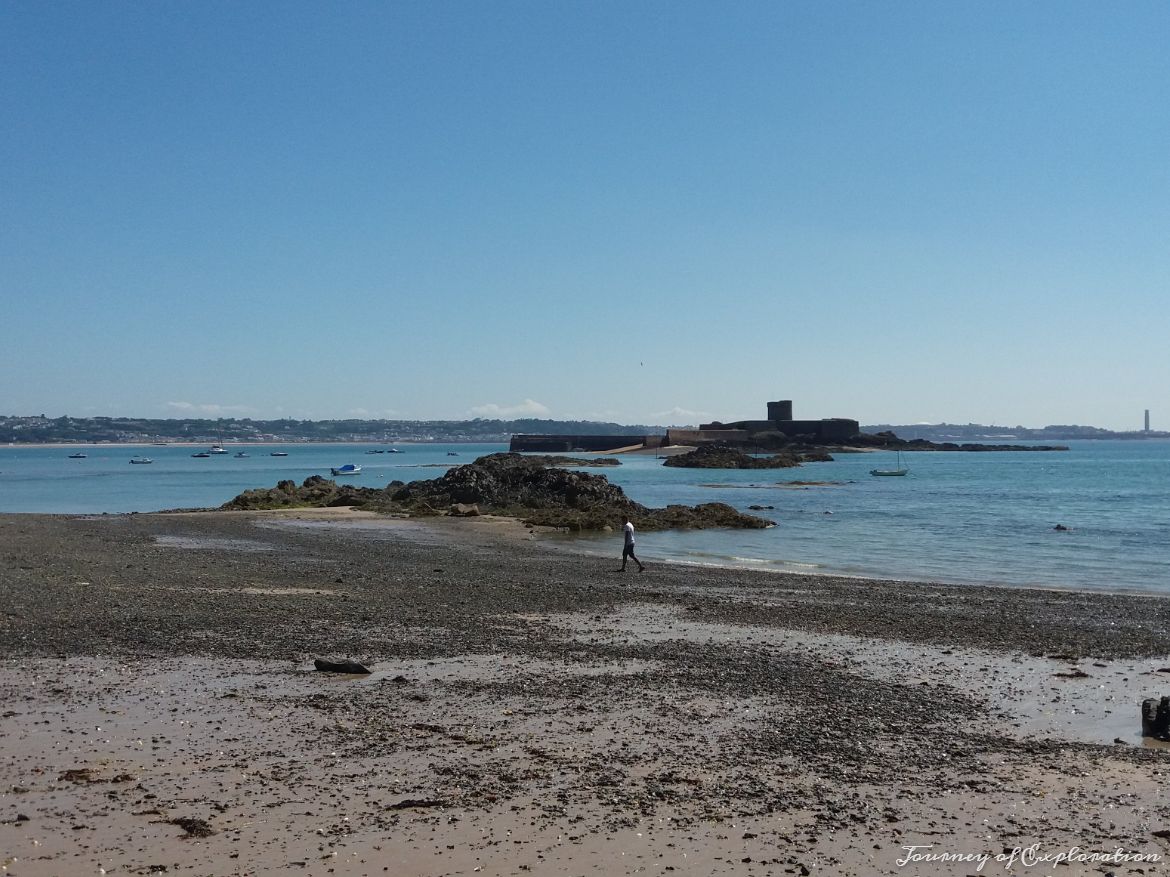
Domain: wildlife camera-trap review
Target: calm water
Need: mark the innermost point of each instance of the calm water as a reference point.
(957, 517)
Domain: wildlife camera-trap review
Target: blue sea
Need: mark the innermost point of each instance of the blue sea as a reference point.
(985, 518)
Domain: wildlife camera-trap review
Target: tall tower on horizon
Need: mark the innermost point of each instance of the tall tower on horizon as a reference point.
(1147, 420)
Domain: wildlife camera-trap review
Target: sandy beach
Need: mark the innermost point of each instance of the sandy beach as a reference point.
(534, 711)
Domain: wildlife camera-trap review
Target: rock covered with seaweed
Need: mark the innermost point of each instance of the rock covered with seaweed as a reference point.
(502, 484)
(722, 456)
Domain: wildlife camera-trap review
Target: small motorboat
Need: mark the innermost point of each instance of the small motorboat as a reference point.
(201, 454)
(240, 454)
(452, 454)
(77, 456)
(393, 451)
(217, 449)
(140, 461)
(347, 469)
(375, 452)
(279, 454)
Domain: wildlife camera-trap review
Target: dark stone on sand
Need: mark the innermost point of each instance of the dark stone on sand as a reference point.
(417, 804)
(1156, 718)
(327, 666)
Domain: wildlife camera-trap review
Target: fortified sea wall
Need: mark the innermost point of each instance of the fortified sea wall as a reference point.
(828, 430)
(546, 444)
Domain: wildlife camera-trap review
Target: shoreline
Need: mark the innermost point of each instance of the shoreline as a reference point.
(556, 539)
(531, 709)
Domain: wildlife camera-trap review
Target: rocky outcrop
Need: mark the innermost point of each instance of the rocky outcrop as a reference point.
(316, 492)
(888, 440)
(720, 456)
(566, 462)
(504, 484)
(502, 481)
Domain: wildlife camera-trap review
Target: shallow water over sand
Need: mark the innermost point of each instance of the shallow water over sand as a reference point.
(957, 517)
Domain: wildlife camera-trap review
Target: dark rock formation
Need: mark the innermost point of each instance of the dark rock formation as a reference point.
(720, 456)
(774, 441)
(504, 484)
(1156, 718)
(502, 481)
(563, 462)
(889, 441)
(316, 492)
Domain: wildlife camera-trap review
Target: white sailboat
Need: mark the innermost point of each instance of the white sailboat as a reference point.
(898, 471)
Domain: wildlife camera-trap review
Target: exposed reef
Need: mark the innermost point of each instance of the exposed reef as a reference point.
(502, 484)
(889, 441)
(564, 462)
(722, 456)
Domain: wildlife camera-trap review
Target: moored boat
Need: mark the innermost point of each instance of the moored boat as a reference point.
(77, 456)
(347, 469)
(888, 472)
(140, 460)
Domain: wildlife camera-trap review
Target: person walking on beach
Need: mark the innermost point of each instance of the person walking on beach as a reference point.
(628, 547)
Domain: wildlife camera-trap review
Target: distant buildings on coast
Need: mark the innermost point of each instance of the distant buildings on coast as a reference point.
(779, 422)
(830, 430)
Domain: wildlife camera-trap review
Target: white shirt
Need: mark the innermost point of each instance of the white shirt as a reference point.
(629, 531)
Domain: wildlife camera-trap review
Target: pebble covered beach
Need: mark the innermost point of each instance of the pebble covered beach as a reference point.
(535, 711)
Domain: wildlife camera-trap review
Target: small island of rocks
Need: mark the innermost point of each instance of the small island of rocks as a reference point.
(503, 484)
(721, 456)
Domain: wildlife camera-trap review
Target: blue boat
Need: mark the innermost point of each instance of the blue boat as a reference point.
(347, 469)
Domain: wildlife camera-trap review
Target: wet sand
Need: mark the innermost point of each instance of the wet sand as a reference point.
(533, 711)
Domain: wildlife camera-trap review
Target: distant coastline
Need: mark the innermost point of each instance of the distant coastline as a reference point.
(975, 432)
(132, 432)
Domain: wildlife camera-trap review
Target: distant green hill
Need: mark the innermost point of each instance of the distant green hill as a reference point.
(42, 430)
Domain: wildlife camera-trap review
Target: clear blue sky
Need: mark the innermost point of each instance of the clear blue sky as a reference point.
(649, 212)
